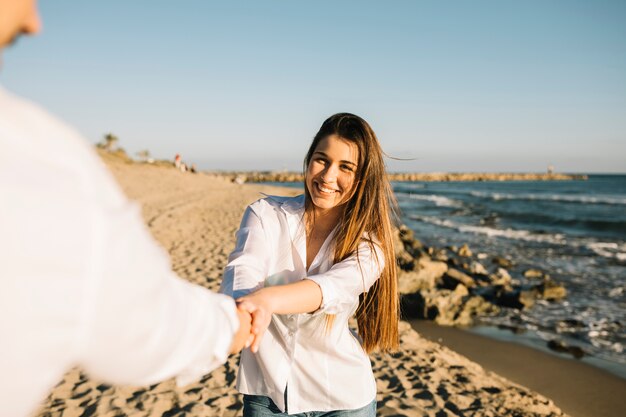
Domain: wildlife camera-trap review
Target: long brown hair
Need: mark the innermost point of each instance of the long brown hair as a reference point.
(367, 213)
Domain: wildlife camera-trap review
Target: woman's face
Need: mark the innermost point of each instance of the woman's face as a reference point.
(331, 172)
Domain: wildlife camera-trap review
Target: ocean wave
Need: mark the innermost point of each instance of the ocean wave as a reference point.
(610, 250)
(438, 200)
(515, 234)
(552, 197)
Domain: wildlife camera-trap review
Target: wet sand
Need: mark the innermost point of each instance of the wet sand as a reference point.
(581, 390)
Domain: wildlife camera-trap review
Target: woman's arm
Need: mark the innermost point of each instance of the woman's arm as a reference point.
(299, 297)
(248, 263)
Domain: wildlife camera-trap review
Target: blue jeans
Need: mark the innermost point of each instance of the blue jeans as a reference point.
(261, 406)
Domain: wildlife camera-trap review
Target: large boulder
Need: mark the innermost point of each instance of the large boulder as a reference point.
(519, 299)
(500, 277)
(410, 242)
(533, 273)
(454, 277)
(425, 276)
(446, 307)
(551, 290)
(477, 268)
(465, 251)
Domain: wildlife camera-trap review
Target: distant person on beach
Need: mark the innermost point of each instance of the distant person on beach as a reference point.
(82, 282)
(303, 266)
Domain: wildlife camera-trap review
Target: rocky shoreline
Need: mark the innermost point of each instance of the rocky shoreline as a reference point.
(455, 287)
(267, 176)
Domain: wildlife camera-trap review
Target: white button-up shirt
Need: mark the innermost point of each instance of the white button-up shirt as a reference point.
(322, 371)
(82, 282)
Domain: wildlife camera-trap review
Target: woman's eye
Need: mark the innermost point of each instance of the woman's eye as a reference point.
(347, 168)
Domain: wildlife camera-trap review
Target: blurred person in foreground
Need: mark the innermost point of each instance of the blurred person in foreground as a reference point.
(82, 282)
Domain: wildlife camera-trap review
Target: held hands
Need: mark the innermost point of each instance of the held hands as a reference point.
(242, 337)
(303, 296)
(259, 307)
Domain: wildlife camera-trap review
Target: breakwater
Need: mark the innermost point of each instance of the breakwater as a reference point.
(255, 176)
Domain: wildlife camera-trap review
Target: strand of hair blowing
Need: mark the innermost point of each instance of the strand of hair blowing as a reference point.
(367, 213)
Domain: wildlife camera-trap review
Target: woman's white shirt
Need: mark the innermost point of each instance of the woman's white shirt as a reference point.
(324, 370)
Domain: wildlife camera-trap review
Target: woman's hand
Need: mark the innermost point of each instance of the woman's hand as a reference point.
(298, 297)
(258, 304)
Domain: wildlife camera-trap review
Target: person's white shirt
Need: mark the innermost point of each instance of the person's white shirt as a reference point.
(82, 282)
(320, 370)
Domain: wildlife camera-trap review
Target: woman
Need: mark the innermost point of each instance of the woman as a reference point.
(303, 266)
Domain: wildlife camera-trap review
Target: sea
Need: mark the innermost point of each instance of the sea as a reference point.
(575, 231)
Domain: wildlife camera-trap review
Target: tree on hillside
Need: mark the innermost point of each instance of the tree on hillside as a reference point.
(109, 142)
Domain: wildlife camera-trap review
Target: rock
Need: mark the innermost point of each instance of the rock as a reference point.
(477, 268)
(438, 254)
(475, 306)
(409, 242)
(446, 307)
(482, 256)
(501, 277)
(454, 262)
(419, 305)
(533, 273)
(405, 233)
(414, 247)
(453, 248)
(405, 261)
(560, 346)
(518, 299)
(551, 290)
(617, 291)
(570, 325)
(454, 277)
(465, 251)
(425, 276)
(502, 262)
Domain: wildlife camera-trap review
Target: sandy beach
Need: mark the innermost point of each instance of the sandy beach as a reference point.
(194, 217)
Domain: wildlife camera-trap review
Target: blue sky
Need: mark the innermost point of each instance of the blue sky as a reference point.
(454, 85)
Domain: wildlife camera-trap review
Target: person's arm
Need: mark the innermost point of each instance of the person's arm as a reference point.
(330, 292)
(248, 263)
(142, 323)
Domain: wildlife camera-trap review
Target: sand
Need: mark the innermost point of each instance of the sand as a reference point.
(195, 216)
(580, 389)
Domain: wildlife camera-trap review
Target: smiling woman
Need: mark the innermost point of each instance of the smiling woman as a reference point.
(303, 266)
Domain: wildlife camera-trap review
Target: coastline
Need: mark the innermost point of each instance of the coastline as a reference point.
(580, 389)
(287, 176)
(194, 217)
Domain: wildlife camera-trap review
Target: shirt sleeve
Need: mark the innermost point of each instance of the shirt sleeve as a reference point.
(342, 284)
(248, 264)
(142, 323)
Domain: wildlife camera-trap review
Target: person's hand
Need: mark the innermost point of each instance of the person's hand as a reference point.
(243, 337)
(259, 306)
